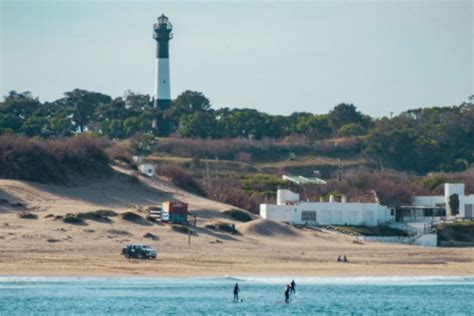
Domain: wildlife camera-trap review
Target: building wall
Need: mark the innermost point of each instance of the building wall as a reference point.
(428, 200)
(365, 214)
(466, 206)
(278, 213)
(286, 196)
(148, 169)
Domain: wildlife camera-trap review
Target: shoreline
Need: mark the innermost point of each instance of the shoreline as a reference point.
(348, 274)
(244, 278)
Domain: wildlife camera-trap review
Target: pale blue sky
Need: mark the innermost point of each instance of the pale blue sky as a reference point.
(277, 57)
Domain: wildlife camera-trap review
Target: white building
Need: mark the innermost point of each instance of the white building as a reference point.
(147, 169)
(466, 202)
(290, 209)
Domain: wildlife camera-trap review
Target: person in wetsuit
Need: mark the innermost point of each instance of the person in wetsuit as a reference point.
(287, 293)
(293, 287)
(236, 292)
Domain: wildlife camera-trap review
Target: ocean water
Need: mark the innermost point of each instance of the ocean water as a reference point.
(213, 296)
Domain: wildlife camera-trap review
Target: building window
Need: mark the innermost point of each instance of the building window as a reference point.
(308, 216)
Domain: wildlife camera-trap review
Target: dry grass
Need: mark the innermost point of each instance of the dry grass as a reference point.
(52, 161)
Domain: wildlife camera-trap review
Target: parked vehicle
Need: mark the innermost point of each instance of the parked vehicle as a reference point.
(139, 251)
(170, 212)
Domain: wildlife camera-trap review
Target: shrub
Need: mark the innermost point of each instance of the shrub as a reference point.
(26, 215)
(351, 129)
(223, 226)
(131, 217)
(120, 152)
(118, 232)
(243, 157)
(229, 148)
(18, 205)
(183, 229)
(151, 236)
(372, 231)
(230, 191)
(73, 219)
(108, 213)
(181, 178)
(238, 215)
(99, 215)
(53, 161)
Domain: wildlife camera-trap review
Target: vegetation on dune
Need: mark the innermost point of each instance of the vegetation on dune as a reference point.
(222, 226)
(56, 161)
(181, 178)
(131, 217)
(183, 229)
(26, 215)
(259, 146)
(99, 215)
(384, 231)
(456, 232)
(151, 236)
(238, 215)
(73, 219)
(80, 218)
(391, 188)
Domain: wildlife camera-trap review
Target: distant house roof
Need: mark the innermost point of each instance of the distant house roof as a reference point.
(364, 197)
(303, 180)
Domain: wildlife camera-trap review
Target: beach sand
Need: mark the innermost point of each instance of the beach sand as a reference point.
(45, 246)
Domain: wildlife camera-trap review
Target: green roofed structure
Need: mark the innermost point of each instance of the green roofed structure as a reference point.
(303, 180)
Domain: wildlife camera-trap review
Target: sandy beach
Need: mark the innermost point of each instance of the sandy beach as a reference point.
(45, 246)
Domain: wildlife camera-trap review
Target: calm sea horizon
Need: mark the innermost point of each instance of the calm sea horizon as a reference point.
(394, 295)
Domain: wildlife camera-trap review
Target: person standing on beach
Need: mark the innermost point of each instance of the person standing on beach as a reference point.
(287, 293)
(236, 292)
(293, 287)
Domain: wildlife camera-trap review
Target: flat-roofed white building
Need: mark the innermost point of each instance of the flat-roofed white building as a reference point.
(466, 202)
(290, 209)
(147, 169)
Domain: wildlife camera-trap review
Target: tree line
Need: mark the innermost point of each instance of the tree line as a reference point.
(421, 140)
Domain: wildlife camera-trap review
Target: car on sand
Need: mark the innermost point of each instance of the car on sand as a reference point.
(139, 251)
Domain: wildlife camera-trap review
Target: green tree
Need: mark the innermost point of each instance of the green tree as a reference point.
(454, 204)
(314, 126)
(9, 123)
(198, 124)
(351, 129)
(16, 109)
(186, 103)
(343, 114)
(83, 105)
(34, 125)
(60, 125)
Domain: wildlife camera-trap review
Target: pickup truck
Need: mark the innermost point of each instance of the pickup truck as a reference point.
(139, 251)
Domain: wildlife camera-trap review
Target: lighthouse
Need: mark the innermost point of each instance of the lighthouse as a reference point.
(162, 33)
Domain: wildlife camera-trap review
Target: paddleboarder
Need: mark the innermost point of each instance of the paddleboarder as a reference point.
(287, 293)
(236, 292)
(293, 287)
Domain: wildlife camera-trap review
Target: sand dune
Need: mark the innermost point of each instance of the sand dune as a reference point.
(47, 245)
(263, 227)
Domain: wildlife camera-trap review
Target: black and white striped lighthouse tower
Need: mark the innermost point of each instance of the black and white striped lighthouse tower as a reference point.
(162, 33)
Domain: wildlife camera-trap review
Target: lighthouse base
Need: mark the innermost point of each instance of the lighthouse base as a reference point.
(160, 125)
(163, 104)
